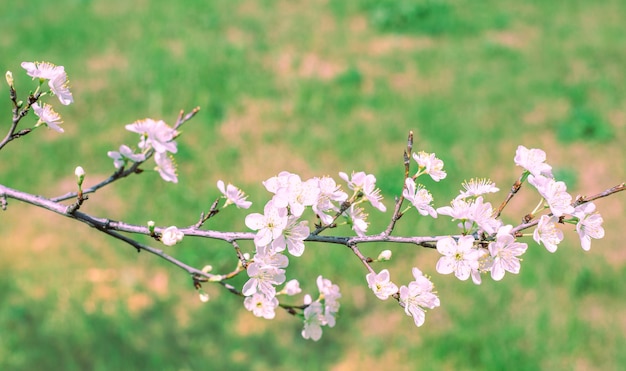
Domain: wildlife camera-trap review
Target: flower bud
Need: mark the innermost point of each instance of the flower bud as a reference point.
(204, 297)
(80, 175)
(9, 77)
(151, 226)
(207, 268)
(171, 236)
(384, 255)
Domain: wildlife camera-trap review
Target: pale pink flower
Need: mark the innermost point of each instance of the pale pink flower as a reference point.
(293, 237)
(156, 134)
(166, 167)
(48, 116)
(589, 224)
(555, 194)
(269, 225)
(419, 197)
(381, 284)
(505, 252)
(330, 293)
(366, 183)
(358, 218)
(56, 76)
(547, 232)
(459, 256)
(477, 187)
(59, 86)
(233, 195)
(329, 192)
(313, 318)
(459, 210)
(483, 215)
(261, 306)
(171, 236)
(124, 155)
(291, 288)
(533, 160)
(430, 164)
(418, 296)
(263, 278)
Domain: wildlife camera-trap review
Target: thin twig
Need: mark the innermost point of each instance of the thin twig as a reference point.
(514, 189)
(133, 169)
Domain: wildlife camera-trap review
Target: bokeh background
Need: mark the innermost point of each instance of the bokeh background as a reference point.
(313, 87)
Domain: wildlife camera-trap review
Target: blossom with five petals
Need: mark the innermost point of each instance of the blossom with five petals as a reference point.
(292, 237)
(381, 284)
(417, 296)
(459, 256)
(269, 225)
(505, 251)
(261, 306)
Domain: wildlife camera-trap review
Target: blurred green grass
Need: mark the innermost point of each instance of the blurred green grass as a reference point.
(313, 88)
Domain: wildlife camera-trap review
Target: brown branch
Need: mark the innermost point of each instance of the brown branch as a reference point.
(397, 214)
(514, 189)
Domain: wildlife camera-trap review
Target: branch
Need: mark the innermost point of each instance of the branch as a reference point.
(133, 169)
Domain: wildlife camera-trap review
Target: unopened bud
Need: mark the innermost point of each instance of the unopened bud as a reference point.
(204, 297)
(9, 77)
(80, 175)
(207, 268)
(151, 226)
(384, 255)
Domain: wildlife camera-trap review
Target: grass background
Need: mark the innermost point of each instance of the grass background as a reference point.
(315, 88)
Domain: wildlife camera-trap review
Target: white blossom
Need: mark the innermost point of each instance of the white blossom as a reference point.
(48, 116)
(505, 252)
(269, 225)
(459, 256)
(547, 232)
(533, 160)
(171, 236)
(261, 306)
(366, 183)
(589, 224)
(430, 165)
(233, 195)
(381, 284)
(124, 155)
(419, 197)
(418, 296)
(555, 194)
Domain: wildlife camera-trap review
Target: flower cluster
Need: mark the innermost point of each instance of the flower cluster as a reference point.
(59, 86)
(321, 312)
(280, 228)
(156, 137)
(468, 255)
(559, 202)
(415, 298)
